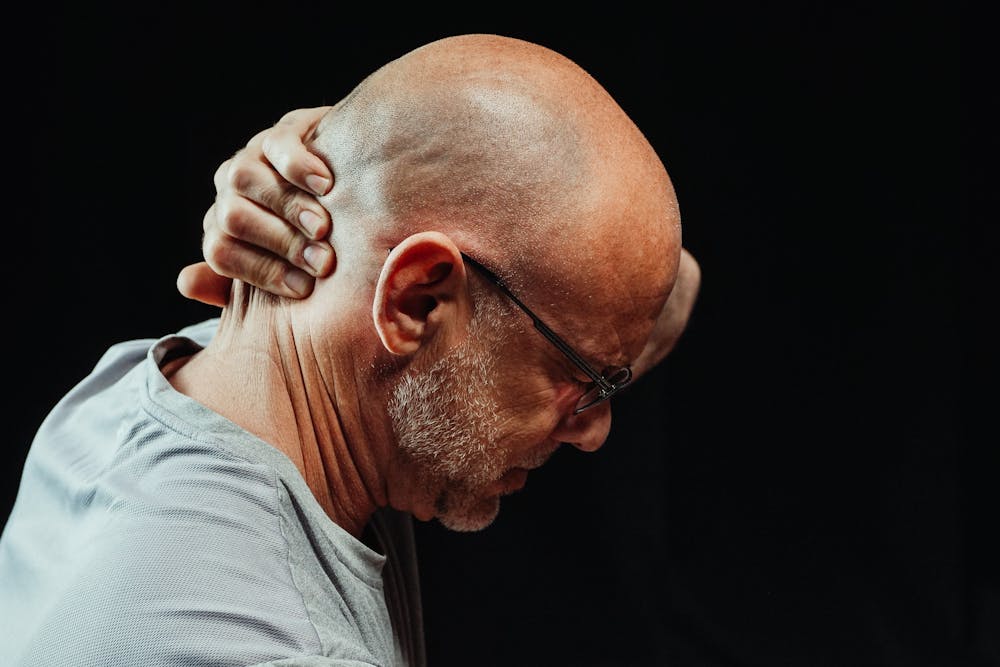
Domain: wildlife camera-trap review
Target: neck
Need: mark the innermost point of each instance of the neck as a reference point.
(270, 378)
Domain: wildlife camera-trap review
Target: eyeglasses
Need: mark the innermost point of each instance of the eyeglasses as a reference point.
(603, 385)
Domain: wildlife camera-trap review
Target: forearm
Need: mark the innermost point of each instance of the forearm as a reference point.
(674, 316)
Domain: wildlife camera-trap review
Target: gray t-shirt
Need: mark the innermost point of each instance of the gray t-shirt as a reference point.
(149, 530)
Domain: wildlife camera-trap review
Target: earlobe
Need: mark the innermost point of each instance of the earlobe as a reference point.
(421, 293)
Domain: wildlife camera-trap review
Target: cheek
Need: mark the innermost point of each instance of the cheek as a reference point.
(530, 418)
(534, 382)
(534, 391)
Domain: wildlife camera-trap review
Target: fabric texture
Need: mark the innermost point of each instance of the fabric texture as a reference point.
(150, 530)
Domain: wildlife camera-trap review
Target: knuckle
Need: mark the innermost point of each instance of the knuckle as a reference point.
(295, 245)
(257, 138)
(220, 256)
(289, 117)
(232, 220)
(271, 273)
(287, 203)
(240, 177)
(219, 177)
(280, 159)
(265, 272)
(208, 221)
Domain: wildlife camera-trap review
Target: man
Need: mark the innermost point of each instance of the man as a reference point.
(506, 242)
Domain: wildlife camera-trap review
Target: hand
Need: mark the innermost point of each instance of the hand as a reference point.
(265, 226)
(674, 316)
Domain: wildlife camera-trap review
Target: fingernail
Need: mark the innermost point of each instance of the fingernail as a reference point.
(299, 282)
(318, 184)
(316, 256)
(311, 222)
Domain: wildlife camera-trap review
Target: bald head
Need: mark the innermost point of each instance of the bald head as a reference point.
(522, 158)
(440, 395)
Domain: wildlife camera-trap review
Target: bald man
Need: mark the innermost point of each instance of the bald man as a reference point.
(240, 493)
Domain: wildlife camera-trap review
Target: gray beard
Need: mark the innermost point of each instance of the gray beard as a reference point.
(446, 423)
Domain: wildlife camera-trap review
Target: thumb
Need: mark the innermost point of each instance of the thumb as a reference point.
(200, 283)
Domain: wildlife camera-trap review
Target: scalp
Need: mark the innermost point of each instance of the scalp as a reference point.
(522, 157)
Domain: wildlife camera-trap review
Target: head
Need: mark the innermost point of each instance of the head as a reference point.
(511, 154)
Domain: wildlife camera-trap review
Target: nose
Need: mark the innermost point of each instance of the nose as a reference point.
(586, 431)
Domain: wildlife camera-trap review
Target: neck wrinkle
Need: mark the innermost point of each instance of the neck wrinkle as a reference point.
(264, 374)
(340, 473)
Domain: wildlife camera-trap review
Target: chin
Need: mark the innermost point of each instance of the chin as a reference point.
(468, 517)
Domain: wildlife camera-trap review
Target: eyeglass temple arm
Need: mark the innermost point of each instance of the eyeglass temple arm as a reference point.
(571, 353)
(543, 329)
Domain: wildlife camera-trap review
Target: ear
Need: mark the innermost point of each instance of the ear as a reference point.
(422, 294)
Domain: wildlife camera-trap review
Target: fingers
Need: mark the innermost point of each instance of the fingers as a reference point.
(246, 178)
(243, 240)
(266, 226)
(284, 146)
(201, 282)
(262, 228)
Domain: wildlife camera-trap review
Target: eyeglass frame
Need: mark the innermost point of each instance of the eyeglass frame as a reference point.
(603, 383)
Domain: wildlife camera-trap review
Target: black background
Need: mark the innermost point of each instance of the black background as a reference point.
(803, 482)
